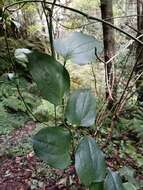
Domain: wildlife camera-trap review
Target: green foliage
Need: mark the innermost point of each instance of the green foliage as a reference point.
(10, 121)
(113, 181)
(45, 111)
(134, 121)
(131, 150)
(1, 2)
(34, 29)
(13, 112)
(81, 108)
(128, 173)
(4, 64)
(131, 182)
(51, 77)
(42, 112)
(137, 125)
(13, 103)
(90, 162)
(52, 145)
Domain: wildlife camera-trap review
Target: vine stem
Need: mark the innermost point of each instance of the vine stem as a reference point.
(49, 21)
(94, 22)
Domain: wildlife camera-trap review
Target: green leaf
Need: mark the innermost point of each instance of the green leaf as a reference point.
(97, 186)
(78, 47)
(129, 186)
(52, 145)
(89, 162)
(51, 77)
(81, 108)
(113, 181)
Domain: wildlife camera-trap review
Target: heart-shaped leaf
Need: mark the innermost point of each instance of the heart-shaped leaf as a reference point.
(51, 77)
(81, 108)
(113, 181)
(78, 47)
(89, 162)
(52, 145)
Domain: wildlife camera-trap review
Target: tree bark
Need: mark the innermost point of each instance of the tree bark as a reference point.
(109, 51)
(139, 51)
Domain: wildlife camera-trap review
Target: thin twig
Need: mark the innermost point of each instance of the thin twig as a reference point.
(117, 109)
(123, 49)
(106, 77)
(48, 17)
(94, 76)
(126, 96)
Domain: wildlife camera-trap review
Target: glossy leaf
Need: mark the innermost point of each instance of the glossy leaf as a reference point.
(51, 77)
(81, 108)
(52, 145)
(89, 162)
(113, 181)
(78, 47)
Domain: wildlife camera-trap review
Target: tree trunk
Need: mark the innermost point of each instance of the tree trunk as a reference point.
(109, 51)
(139, 51)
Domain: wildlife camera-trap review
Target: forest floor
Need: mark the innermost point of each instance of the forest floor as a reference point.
(26, 171)
(22, 170)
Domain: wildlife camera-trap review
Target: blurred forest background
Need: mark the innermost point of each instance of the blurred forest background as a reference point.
(112, 67)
